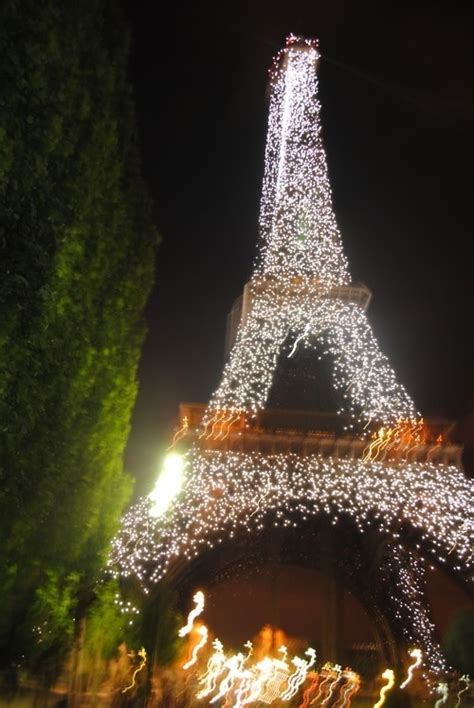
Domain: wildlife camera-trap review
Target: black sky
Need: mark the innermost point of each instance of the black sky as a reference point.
(397, 93)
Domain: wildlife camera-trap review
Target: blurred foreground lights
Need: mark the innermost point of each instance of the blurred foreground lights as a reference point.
(168, 484)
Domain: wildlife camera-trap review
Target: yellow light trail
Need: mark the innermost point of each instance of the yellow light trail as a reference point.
(142, 654)
(417, 655)
(248, 645)
(199, 602)
(225, 425)
(349, 690)
(389, 675)
(245, 684)
(465, 679)
(215, 420)
(203, 631)
(215, 667)
(335, 680)
(180, 433)
(234, 420)
(327, 672)
(212, 422)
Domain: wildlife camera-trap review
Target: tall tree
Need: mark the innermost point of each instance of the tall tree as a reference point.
(77, 250)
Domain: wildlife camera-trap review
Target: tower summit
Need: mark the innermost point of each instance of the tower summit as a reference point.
(298, 231)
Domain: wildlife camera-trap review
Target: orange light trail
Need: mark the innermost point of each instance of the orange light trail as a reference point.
(180, 433)
(311, 688)
(142, 654)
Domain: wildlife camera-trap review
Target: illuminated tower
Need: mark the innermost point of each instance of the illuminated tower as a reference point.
(301, 282)
(236, 475)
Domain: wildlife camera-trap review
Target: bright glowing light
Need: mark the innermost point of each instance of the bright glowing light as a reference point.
(234, 666)
(299, 675)
(389, 675)
(278, 678)
(142, 655)
(417, 654)
(261, 674)
(215, 667)
(199, 601)
(220, 498)
(242, 682)
(168, 484)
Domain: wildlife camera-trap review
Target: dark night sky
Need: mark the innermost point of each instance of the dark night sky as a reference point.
(398, 122)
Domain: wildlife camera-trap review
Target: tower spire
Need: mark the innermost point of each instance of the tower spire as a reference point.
(298, 230)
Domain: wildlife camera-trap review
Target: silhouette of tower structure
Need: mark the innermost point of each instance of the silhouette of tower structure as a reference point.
(374, 468)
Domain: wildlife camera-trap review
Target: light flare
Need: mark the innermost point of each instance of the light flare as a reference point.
(168, 485)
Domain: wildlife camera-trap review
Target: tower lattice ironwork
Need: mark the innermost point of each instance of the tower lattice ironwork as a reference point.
(389, 475)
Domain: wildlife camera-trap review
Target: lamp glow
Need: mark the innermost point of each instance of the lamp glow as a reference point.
(168, 484)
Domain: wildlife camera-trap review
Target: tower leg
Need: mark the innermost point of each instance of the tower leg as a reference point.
(410, 608)
(331, 598)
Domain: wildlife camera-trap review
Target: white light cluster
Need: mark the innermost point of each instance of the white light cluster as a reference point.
(229, 492)
(301, 262)
(224, 492)
(167, 485)
(411, 608)
(297, 224)
(362, 371)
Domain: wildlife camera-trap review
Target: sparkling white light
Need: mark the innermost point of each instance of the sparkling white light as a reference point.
(298, 287)
(298, 228)
(410, 606)
(361, 370)
(228, 491)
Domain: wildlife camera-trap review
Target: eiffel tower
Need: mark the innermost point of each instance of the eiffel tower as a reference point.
(240, 478)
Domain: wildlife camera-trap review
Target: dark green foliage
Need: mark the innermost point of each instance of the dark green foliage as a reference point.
(77, 254)
(458, 642)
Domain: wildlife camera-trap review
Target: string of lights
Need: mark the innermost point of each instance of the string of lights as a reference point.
(362, 373)
(298, 230)
(224, 492)
(205, 497)
(411, 609)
